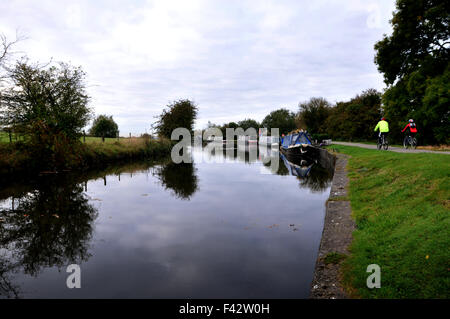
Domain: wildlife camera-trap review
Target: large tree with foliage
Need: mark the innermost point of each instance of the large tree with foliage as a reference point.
(355, 119)
(179, 114)
(104, 126)
(415, 63)
(312, 115)
(50, 100)
(282, 119)
(49, 106)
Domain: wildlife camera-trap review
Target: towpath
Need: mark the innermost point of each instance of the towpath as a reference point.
(391, 148)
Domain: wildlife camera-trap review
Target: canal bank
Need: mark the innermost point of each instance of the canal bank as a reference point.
(20, 159)
(336, 235)
(400, 204)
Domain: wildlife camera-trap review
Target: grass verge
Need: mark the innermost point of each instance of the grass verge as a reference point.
(401, 205)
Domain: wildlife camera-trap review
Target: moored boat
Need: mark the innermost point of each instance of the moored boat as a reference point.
(296, 144)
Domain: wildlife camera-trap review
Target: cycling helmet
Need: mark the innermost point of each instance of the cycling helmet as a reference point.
(382, 119)
(411, 121)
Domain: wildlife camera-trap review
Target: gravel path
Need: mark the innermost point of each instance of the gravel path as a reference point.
(391, 148)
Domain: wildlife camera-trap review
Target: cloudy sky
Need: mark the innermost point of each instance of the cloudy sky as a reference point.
(235, 59)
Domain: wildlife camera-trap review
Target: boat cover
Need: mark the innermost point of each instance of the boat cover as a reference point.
(296, 138)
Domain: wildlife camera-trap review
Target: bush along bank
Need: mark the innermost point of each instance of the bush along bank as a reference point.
(25, 158)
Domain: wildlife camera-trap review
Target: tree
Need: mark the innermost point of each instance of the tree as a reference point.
(181, 113)
(312, 115)
(248, 123)
(355, 119)
(415, 63)
(49, 106)
(231, 125)
(5, 50)
(282, 119)
(53, 99)
(104, 126)
(420, 38)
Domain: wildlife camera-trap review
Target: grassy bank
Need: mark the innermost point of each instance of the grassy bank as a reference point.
(401, 205)
(17, 158)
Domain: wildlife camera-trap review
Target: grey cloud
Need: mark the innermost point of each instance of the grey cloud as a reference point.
(235, 59)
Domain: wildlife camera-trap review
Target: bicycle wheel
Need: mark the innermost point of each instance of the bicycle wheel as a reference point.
(406, 143)
(378, 146)
(385, 145)
(414, 143)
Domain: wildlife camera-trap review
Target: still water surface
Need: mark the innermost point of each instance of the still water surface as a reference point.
(233, 229)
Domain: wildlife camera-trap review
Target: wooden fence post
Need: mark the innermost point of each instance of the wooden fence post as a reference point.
(84, 136)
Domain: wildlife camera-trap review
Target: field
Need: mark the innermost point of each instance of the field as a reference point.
(91, 139)
(401, 205)
(4, 138)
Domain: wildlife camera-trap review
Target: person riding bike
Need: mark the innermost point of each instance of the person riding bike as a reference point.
(383, 126)
(412, 130)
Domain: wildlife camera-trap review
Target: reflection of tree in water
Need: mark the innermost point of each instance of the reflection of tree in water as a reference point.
(7, 288)
(318, 179)
(180, 178)
(47, 227)
(309, 172)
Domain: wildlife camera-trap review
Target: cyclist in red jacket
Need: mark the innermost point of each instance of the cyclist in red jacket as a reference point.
(412, 129)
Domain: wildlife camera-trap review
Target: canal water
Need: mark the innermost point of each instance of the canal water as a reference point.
(227, 225)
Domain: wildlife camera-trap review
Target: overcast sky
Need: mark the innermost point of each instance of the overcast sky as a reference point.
(235, 59)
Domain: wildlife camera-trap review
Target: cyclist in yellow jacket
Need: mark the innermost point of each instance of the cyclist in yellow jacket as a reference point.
(383, 126)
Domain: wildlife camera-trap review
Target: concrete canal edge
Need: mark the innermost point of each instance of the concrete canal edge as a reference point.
(336, 236)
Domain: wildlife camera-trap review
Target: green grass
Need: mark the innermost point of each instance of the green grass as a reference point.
(4, 137)
(96, 150)
(91, 139)
(401, 205)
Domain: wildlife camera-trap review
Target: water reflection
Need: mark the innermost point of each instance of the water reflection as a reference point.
(50, 222)
(313, 173)
(180, 178)
(50, 226)
(167, 230)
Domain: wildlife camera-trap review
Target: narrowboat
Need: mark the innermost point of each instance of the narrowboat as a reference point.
(297, 144)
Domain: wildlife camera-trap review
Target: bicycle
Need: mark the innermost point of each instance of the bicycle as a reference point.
(382, 142)
(410, 141)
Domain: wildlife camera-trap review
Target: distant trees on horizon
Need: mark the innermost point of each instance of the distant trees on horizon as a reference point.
(104, 126)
